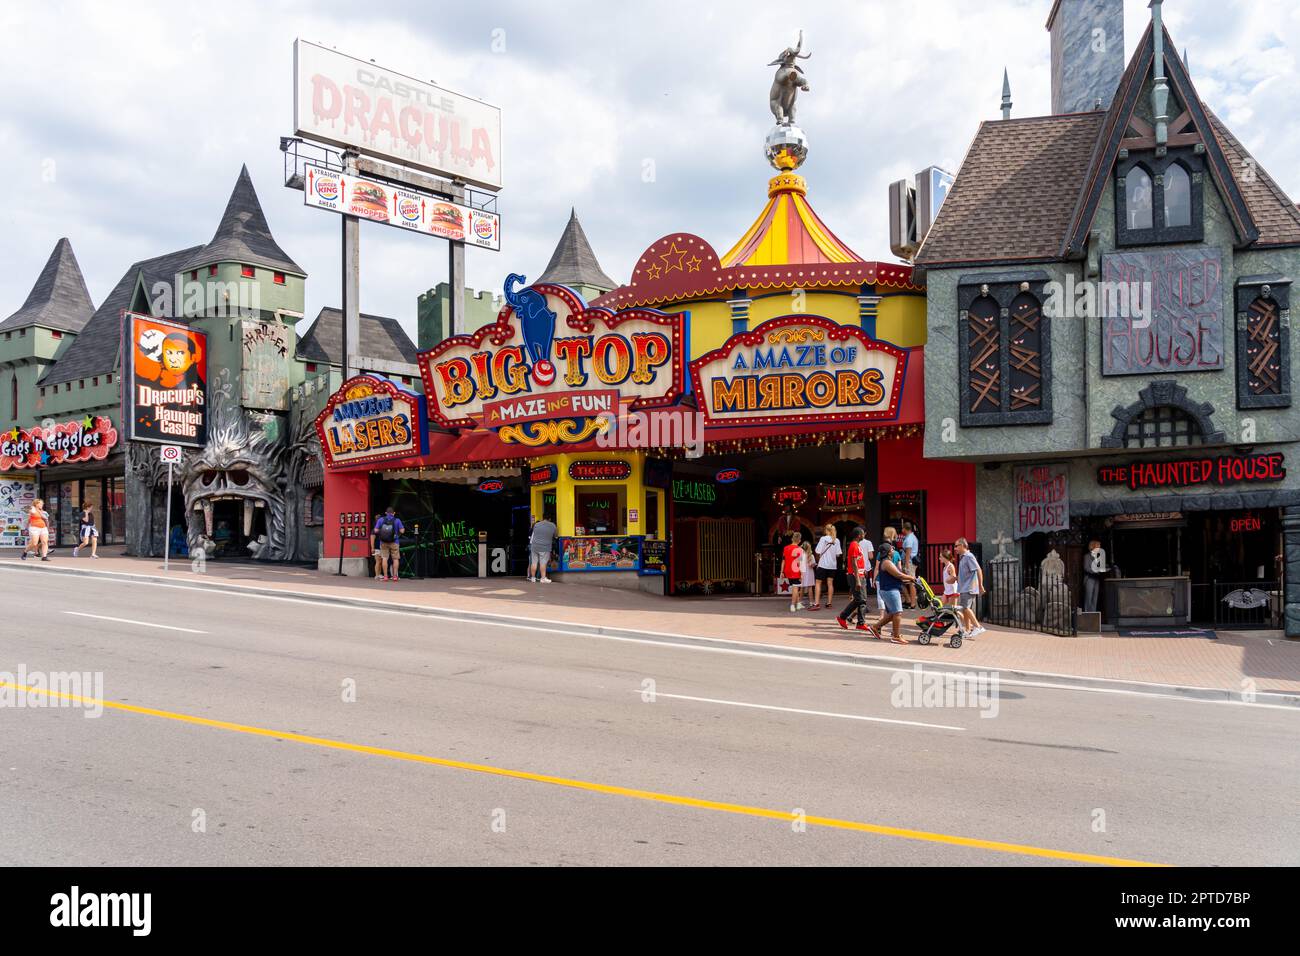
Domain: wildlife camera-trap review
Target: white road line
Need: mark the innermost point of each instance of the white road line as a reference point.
(123, 620)
(796, 710)
(554, 627)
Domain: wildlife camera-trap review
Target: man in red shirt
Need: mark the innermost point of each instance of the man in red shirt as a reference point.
(792, 568)
(857, 569)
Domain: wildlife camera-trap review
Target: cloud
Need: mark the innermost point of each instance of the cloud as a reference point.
(147, 116)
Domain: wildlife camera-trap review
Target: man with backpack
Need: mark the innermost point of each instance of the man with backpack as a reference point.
(388, 544)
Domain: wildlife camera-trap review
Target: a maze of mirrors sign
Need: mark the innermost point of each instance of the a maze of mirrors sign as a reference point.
(1161, 311)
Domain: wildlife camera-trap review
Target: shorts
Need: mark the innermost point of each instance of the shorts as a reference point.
(824, 574)
(38, 534)
(967, 600)
(390, 549)
(891, 601)
(794, 582)
(89, 531)
(541, 558)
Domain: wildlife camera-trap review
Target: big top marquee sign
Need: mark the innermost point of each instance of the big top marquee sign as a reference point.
(800, 369)
(552, 371)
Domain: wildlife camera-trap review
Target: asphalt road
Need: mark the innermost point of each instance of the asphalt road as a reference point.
(1058, 771)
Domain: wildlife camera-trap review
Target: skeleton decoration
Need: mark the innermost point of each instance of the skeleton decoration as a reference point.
(787, 83)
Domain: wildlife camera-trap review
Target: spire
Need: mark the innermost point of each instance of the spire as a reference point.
(59, 299)
(1160, 85)
(573, 263)
(1006, 95)
(243, 234)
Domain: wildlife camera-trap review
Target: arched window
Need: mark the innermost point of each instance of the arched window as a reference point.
(984, 356)
(1138, 196)
(1025, 371)
(1163, 426)
(1178, 196)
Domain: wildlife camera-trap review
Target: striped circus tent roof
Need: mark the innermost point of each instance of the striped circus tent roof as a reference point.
(788, 232)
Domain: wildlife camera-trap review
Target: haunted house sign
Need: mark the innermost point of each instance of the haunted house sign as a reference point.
(1161, 311)
(1042, 500)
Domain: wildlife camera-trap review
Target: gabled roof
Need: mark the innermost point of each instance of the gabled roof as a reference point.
(381, 338)
(1015, 191)
(573, 263)
(788, 231)
(59, 299)
(1029, 190)
(243, 235)
(95, 350)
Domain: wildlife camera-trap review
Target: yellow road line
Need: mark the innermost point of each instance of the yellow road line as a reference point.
(666, 798)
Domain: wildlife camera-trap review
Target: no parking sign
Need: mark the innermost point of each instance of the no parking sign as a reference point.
(169, 454)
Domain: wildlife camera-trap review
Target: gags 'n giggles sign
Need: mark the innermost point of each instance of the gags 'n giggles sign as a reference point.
(87, 439)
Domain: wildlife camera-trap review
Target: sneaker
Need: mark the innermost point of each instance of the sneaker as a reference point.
(75, 550)
(872, 628)
(546, 580)
(841, 622)
(793, 609)
(45, 559)
(24, 556)
(863, 627)
(381, 577)
(531, 580)
(95, 556)
(979, 630)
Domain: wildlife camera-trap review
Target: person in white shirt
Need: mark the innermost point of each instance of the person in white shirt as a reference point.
(910, 545)
(828, 553)
(1094, 572)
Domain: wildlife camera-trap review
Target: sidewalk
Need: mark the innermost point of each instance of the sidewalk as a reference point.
(1264, 657)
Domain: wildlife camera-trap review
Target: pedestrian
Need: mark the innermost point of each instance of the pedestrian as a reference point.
(949, 571)
(970, 585)
(808, 574)
(828, 562)
(388, 544)
(1094, 571)
(791, 568)
(911, 556)
(856, 565)
(38, 530)
(89, 533)
(890, 579)
(541, 541)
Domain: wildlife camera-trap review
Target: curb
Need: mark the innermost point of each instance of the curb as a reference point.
(1275, 698)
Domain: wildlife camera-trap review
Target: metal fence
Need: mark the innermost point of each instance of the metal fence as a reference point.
(1020, 595)
(1238, 605)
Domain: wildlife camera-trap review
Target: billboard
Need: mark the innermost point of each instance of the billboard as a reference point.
(800, 369)
(349, 102)
(371, 419)
(165, 381)
(551, 371)
(394, 206)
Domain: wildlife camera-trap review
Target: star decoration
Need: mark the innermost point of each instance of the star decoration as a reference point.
(673, 253)
(653, 272)
(693, 264)
(14, 434)
(87, 422)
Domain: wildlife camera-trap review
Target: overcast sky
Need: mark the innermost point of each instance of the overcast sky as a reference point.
(125, 124)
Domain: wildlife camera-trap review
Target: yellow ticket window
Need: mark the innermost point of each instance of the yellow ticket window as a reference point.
(600, 510)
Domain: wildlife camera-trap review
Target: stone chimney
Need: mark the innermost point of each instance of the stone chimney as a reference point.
(1087, 53)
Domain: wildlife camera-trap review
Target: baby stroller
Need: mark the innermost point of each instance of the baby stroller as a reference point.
(938, 618)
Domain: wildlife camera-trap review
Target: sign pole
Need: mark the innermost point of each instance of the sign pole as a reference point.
(351, 279)
(167, 528)
(456, 274)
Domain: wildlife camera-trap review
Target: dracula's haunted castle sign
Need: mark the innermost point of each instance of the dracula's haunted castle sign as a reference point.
(165, 387)
(552, 371)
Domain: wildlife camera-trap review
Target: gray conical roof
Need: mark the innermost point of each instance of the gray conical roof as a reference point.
(573, 263)
(59, 299)
(243, 235)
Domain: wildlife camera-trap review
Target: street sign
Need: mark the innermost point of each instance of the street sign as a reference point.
(169, 454)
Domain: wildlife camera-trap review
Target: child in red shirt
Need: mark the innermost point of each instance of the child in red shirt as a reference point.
(792, 568)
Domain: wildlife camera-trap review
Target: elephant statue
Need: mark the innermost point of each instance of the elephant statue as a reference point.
(787, 83)
(536, 320)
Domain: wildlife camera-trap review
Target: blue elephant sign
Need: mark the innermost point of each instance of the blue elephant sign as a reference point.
(551, 370)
